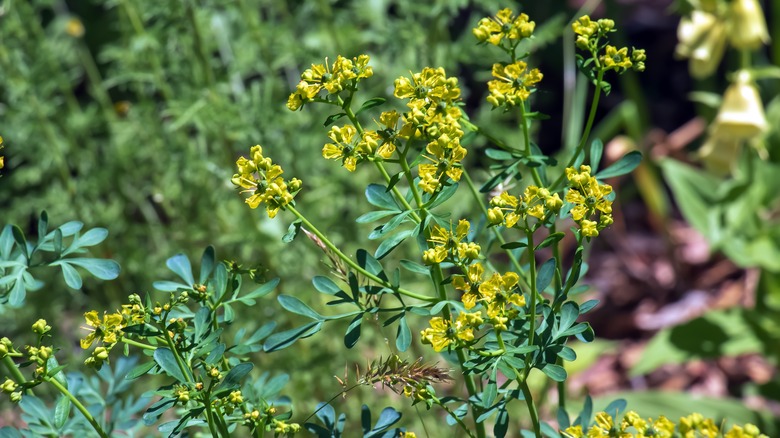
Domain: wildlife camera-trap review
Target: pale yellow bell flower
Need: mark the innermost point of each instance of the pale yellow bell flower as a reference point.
(747, 25)
(741, 115)
(702, 39)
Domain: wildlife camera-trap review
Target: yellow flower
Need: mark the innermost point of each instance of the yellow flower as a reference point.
(108, 330)
(469, 284)
(615, 59)
(449, 243)
(574, 432)
(74, 28)
(536, 202)
(504, 25)
(589, 198)
(513, 83)
(438, 335)
(260, 177)
(741, 115)
(342, 74)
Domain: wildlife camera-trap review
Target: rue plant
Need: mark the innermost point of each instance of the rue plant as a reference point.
(493, 290)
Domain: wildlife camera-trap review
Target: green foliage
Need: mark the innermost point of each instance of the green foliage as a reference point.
(19, 258)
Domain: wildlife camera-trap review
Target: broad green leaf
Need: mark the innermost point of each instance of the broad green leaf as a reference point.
(391, 243)
(545, 275)
(372, 216)
(325, 285)
(514, 245)
(234, 377)
(92, 237)
(403, 337)
(43, 227)
(596, 149)
(207, 263)
(569, 314)
(378, 196)
(353, 331)
(370, 103)
(284, 339)
(100, 268)
(70, 228)
(61, 412)
(139, 370)
(415, 267)
(555, 372)
(292, 231)
(180, 265)
(297, 306)
(443, 195)
(549, 240)
(332, 119)
(166, 360)
(69, 273)
(624, 165)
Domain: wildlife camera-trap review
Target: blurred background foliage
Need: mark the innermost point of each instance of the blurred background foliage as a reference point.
(129, 115)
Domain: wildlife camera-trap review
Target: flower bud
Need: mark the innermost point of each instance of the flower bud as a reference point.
(495, 216)
(16, 397)
(8, 386)
(40, 327)
(747, 25)
(741, 115)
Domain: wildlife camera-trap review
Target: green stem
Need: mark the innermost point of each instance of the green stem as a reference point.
(209, 414)
(179, 361)
(138, 344)
(527, 140)
(529, 401)
(533, 294)
(585, 134)
(64, 391)
(352, 263)
(496, 232)
(15, 373)
(455, 417)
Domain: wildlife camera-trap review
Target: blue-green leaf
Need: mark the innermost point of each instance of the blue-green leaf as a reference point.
(100, 268)
(284, 339)
(415, 267)
(61, 412)
(353, 331)
(626, 164)
(596, 149)
(236, 374)
(207, 263)
(403, 336)
(370, 103)
(545, 275)
(71, 275)
(325, 285)
(378, 196)
(297, 306)
(92, 237)
(332, 119)
(391, 243)
(180, 265)
(555, 372)
(372, 216)
(167, 361)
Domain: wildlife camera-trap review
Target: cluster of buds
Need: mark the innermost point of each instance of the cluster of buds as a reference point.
(343, 74)
(263, 179)
(12, 389)
(591, 37)
(705, 33)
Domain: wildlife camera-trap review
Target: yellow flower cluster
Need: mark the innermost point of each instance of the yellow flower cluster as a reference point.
(343, 74)
(494, 30)
(692, 426)
(536, 202)
(589, 34)
(589, 198)
(450, 245)
(704, 33)
(262, 178)
(496, 294)
(443, 332)
(434, 116)
(107, 330)
(513, 83)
